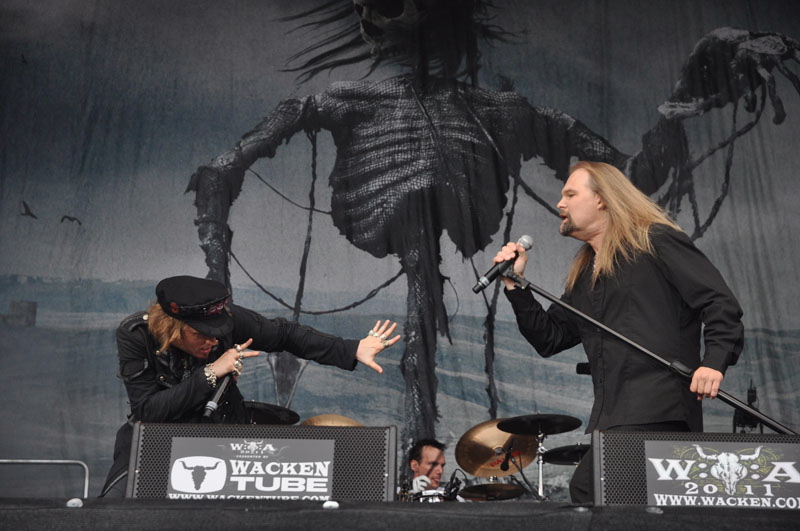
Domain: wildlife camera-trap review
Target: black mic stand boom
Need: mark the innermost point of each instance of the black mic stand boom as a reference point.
(676, 366)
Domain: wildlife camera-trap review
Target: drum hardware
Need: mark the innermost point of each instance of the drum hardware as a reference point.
(329, 419)
(540, 426)
(482, 450)
(566, 455)
(491, 489)
(429, 496)
(263, 413)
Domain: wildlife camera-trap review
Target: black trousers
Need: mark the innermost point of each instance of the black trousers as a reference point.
(581, 486)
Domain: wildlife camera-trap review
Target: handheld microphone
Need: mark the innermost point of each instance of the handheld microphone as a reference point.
(212, 404)
(504, 464)
(498, 269)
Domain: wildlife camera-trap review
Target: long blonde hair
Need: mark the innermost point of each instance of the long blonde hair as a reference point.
(630, 216)
(166, 329)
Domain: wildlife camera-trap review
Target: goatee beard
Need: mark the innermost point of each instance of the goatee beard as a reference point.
(566, 228)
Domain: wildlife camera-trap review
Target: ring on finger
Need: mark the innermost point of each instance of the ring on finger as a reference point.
(238, 348)
(372, 333)
(236, 372)
(382, 337)
(385, 342)
(237, 365)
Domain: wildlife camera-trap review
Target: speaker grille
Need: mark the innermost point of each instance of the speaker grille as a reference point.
(622, 475)
(363, 458)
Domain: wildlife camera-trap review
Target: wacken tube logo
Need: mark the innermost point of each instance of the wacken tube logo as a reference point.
(198, 474)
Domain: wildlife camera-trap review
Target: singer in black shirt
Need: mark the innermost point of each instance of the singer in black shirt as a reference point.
(641, 276)
(174, 357)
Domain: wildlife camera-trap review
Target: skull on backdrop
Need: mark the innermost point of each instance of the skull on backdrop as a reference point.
(387, 25)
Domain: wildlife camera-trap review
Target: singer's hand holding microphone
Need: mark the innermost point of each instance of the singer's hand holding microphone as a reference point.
(231, 360)
(227, 367)
(512, 254)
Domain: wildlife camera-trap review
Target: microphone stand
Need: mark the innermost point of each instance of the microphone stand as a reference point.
(676, 366)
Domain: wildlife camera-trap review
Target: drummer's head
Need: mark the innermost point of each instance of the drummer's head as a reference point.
(426, 458)
(190, 313)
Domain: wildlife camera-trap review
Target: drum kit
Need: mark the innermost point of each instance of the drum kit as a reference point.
(492, 451)
(263, 413)
(499, 448)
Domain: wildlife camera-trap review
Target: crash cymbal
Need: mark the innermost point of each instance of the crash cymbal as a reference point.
(481, 450)
(536, 424)
(263, 413)
(329, 419)
(491, 491)
(566, 455)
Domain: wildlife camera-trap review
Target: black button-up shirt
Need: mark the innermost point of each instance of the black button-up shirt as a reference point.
(660, 302)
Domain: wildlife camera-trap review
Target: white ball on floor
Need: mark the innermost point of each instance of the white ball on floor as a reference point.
(330, 504)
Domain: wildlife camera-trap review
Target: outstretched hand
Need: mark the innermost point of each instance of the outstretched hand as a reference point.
(378, 339)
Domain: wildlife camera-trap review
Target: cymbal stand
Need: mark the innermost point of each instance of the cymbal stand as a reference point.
(528, 487)
(540, 450)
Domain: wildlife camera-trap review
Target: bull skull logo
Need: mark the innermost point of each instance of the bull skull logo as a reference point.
(729, 467)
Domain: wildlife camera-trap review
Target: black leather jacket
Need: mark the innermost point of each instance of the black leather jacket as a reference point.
(171, 386)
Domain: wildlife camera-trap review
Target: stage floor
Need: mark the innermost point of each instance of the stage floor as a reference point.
(100, 514)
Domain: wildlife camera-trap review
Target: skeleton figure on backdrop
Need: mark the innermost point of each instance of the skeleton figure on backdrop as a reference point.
(429, 150)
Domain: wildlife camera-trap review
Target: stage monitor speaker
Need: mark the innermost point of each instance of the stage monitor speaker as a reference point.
(680, 468)
(182, 461)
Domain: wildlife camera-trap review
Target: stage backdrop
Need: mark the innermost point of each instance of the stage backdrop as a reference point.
(390, 149)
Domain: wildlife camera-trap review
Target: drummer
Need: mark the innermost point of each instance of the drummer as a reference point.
(426, 460)
(173, 357)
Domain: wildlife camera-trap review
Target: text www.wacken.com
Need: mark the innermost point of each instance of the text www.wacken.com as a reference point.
(683, 499)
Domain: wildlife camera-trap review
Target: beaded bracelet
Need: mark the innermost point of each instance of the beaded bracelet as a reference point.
(211, 376)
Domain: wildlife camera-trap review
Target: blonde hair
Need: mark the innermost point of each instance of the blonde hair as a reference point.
(630, 216)
(166, 329)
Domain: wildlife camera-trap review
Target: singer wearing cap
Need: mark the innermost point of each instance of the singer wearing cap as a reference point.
(173, 357)
(639, 274)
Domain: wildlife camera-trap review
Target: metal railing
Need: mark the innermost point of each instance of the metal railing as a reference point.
(55, 462)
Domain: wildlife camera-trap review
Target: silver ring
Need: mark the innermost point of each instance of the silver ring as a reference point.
(385, 343)
(241, 355)
(236, 372)
(382, 337)
(238, 348)
(372, 333)
(237, 365)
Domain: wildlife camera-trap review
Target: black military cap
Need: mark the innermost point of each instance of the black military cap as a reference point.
(199, 302)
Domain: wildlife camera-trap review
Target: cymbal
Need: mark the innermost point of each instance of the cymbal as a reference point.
(481, 450)
(566, 455)
(491, 491)
(536, 424)
(329, 419)
(263, 413)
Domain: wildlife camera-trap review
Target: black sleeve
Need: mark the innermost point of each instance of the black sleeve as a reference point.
(151, 401)
(550, 332)
(276, 335)
(703, 289)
